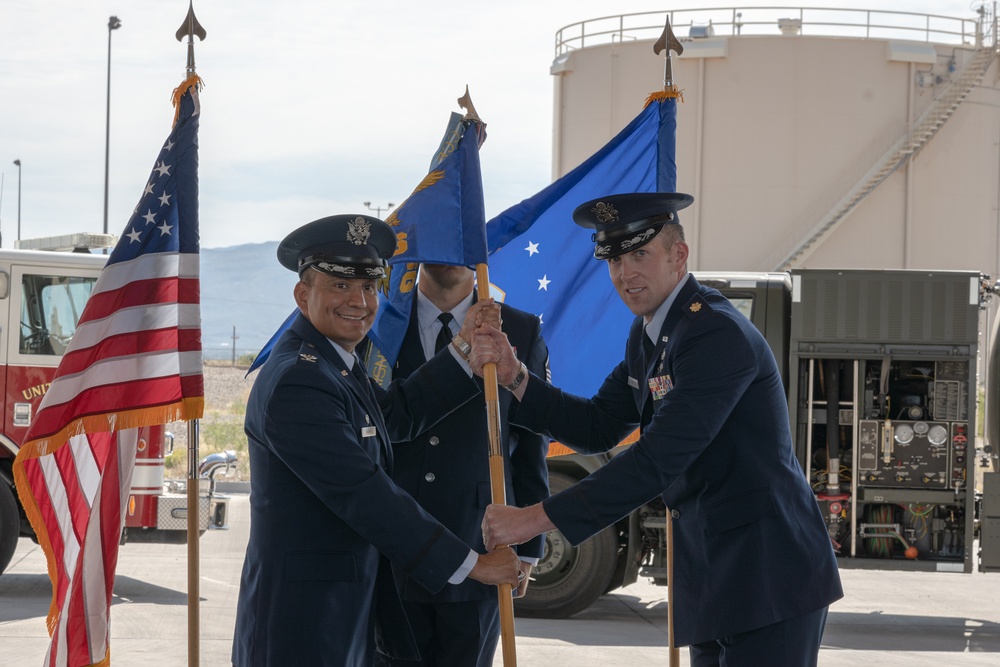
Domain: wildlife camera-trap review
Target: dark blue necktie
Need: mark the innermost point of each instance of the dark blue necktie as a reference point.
(647, 350)
(444, 336)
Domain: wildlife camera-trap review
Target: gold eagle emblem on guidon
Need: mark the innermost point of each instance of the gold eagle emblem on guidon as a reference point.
(605, 212)
(358, 231)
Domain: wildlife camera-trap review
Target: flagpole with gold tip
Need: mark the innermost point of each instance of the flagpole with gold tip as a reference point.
(667, 43)
(498, 484)
(189, 28)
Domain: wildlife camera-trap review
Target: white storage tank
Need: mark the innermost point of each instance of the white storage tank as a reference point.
(790, 114)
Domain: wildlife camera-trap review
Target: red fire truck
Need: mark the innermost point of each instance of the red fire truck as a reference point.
(42, 295)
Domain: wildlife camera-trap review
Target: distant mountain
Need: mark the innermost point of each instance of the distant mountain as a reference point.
(243, 286)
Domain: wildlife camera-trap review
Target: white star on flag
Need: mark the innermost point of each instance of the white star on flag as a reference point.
(543, 283)
(134, 235)
(532, 248)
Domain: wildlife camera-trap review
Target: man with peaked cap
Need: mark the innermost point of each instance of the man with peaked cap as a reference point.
(754, 571)
(447, 469)
(326, 518)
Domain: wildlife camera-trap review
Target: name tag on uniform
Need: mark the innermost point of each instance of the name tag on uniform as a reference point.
(368, 432)
(632, 382)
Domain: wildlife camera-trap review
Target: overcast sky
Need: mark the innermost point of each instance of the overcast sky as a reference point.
(310, 108)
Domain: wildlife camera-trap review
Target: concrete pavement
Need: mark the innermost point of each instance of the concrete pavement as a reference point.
(886, 618)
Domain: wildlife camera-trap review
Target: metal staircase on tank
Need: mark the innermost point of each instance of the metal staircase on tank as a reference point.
(924, 129)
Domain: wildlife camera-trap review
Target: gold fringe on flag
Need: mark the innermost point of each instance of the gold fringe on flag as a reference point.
(671, 93)
(186, 408)
(193, 81)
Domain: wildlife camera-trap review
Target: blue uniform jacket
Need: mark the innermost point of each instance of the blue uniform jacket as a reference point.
(446, 468)
(750, 545)
(316, 586)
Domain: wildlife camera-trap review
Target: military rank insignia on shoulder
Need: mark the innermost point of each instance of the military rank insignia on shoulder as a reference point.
(696, 306)
(308, 357)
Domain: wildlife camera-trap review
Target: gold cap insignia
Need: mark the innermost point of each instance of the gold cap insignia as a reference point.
(358, 231)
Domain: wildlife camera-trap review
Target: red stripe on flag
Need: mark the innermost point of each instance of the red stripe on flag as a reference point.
(50, 524)
(170, 289)
(193, 385)
(75, 498)
(123, 345)
(108, 399)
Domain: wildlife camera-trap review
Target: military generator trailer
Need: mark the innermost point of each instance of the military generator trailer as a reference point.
(881, 368)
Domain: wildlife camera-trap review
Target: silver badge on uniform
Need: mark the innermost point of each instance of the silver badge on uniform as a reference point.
(632, 382)
(368, 432)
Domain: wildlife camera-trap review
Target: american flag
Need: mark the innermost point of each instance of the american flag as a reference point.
(134, 361)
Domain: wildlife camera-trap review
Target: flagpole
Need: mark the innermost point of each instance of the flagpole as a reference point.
(672, 650)
(194, 507)
(665, 44)
(498, 485)
(189, 28)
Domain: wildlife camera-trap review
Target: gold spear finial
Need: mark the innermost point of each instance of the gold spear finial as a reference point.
(465, 101)
(668, 42)
(189, 28)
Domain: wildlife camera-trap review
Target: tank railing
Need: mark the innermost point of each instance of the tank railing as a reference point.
(757, 21)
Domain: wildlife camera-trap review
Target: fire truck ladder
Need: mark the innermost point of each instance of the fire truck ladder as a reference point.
(924, 129)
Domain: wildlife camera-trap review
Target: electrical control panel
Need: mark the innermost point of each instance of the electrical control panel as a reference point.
(883, 402)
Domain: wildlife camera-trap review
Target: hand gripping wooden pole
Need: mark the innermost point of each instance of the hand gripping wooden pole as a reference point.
(675, 657)
(497, 485)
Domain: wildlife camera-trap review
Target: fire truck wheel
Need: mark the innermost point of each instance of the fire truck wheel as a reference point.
(10, 524)
(568, 579)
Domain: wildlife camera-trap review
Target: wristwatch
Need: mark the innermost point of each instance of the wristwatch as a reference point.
(461, 346)
(518, 379)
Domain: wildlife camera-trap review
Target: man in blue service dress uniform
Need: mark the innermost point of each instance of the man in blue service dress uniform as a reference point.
(446, 468)
(754, 571)
(326, 518)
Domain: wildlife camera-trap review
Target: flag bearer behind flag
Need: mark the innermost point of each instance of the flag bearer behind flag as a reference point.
(326, 518)
(134, 361)
(446, 468)
(441, 227)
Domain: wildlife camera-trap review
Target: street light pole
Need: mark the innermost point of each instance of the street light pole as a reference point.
(378, 209)
(18, 163)
(113, 24)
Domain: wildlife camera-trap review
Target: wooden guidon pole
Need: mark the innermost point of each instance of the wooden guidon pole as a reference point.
(497, 484)
(675, 657)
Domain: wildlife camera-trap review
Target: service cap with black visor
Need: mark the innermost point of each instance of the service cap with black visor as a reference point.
(348, 246)
(625, 222)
